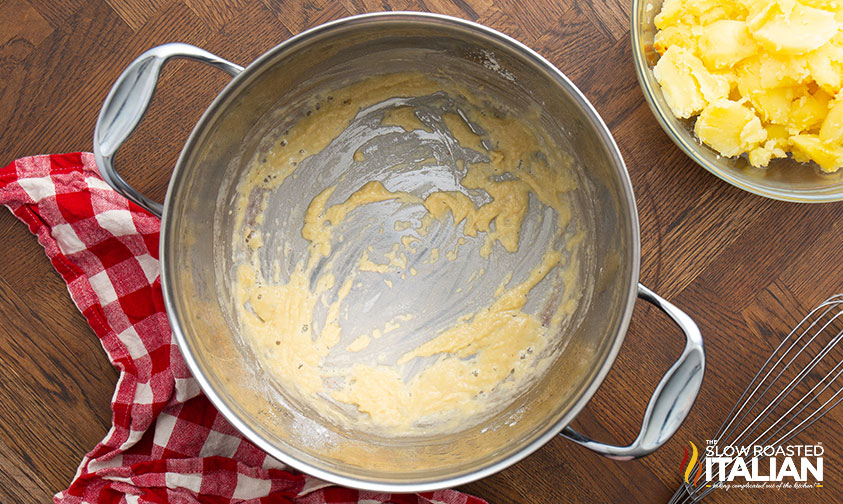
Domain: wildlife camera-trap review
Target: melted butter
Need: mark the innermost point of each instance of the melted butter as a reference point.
(462, 132)
(507, 208)
(453, 254)
(434, 255)
(313, 132)
(476, 356)
(495, 348)
(395, 261)
(359, 344)
(404, 117)
(319, 221)
(502, 324)
(280, 324)
(408, 241)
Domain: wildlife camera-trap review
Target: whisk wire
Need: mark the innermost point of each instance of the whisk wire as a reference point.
(795, 387)
(733, 416)
(796, 381)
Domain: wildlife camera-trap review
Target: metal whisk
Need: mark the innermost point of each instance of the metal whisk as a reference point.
(796, 386)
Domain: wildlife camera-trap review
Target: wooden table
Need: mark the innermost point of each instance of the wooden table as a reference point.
(746, 268)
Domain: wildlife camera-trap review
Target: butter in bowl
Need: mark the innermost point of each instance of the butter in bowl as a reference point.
(748, 89)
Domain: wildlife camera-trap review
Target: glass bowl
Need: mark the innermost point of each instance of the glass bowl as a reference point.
(784, 179)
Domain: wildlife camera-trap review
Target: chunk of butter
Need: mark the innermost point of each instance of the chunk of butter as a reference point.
(792, 28)
(763, 76)
(826, 154)
(687, 85)
(725, 42)
(729, 127)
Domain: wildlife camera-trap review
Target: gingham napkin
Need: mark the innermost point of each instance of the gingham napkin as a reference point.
(167, 442)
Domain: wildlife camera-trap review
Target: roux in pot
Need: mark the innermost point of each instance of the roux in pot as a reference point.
(482, 355)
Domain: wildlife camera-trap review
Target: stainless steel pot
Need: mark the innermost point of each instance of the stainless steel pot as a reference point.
(195, 232)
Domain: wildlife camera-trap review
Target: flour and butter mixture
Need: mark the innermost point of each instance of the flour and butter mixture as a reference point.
(408, 255)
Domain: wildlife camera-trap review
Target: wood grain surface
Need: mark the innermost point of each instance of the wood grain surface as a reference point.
(746, 268)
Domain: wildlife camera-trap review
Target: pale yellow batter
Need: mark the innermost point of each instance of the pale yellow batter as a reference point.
(494, 349)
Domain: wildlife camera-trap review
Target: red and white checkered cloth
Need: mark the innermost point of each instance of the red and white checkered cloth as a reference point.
(167, 442)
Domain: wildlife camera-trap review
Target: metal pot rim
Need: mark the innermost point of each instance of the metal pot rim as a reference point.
(167, 270)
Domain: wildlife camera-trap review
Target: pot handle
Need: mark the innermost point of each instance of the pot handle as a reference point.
(673, 397)
(126, 104)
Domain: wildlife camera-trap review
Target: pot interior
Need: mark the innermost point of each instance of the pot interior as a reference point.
(201, 250)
